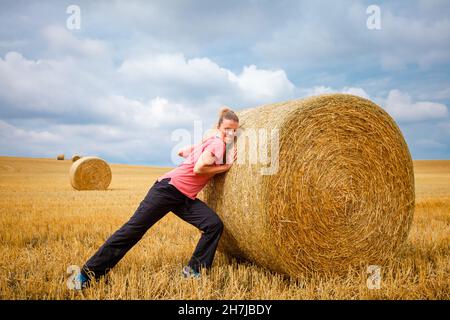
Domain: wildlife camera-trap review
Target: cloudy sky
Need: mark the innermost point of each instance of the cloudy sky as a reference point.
(135, 72)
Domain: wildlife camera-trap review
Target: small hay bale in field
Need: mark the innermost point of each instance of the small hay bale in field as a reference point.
(75, 157)
(343, 194)
(60, 157)
(90, 173)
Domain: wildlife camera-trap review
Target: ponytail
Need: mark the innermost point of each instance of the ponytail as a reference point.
(226, 113)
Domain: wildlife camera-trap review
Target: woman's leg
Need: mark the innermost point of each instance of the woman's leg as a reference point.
(160, 199)
(197, 213)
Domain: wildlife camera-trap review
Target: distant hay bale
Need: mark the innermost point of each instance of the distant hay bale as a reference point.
(60, 157)
(90, 173)
(343, 194)
(75, 157)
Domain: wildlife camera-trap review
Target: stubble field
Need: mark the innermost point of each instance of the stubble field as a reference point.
(46, 226)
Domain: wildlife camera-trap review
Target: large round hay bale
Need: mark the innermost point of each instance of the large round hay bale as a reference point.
(60, 157)
(75, 157)
(90, 173)
(343, 194)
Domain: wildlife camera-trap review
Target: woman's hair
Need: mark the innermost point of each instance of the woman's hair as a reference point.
(226, 113)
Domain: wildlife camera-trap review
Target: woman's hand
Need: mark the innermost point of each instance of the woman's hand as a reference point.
(231, 157)
(185, 152)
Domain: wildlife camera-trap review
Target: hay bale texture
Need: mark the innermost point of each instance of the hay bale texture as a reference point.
(343, 194)
(60, 157)
(90, 173)
(75, 157)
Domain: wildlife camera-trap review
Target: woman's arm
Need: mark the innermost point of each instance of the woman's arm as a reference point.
(204, 164)
(212, 169)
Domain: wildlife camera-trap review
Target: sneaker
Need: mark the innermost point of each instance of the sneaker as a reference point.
(188, 272)
(80, 282)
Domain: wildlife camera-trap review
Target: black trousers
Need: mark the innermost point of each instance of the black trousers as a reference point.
(160, 199)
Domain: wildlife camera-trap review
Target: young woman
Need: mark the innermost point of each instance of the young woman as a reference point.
(176, 191)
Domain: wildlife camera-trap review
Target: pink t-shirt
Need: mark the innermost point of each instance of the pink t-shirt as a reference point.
(183, 176)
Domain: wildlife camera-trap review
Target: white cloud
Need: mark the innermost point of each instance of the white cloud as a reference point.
(28, 137)
(172, 70)
(317, 90)
(113, 143)
(24, 82)
(201, 59)
(356, 91)
(259, 84)
(398, 104)
(156, 113)
(402, 108)
(48, 87)
(62, 40)
(338, 36)
(93, 117)
(413, 40)
(252, 85)
(64, 91)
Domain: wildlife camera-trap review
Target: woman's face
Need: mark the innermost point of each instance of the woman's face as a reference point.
(228, 130)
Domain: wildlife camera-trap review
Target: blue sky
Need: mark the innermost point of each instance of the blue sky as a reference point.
(136, 71)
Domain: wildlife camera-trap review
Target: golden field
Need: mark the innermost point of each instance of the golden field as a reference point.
(46, 226)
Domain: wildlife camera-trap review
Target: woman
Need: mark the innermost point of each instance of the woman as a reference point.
(176, 191)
